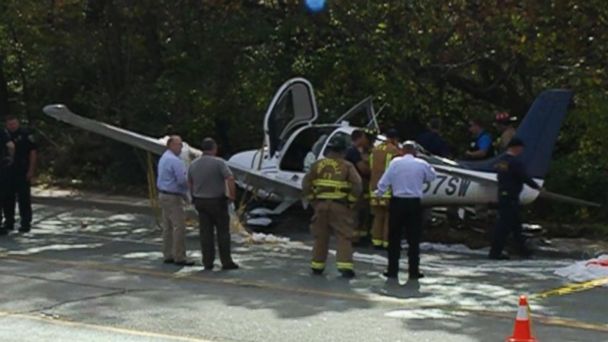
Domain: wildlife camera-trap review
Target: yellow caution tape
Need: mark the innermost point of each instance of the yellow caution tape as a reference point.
(152, 194)
(571, 288)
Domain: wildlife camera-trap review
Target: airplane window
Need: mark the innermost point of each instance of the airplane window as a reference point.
(280, 117)
(294, 108)
(305, 148)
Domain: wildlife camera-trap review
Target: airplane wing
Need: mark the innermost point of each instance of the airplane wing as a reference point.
(255, 180)
(567, 199)
(62, 113)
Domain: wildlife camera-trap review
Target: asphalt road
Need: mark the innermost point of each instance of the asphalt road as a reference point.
(96, 275)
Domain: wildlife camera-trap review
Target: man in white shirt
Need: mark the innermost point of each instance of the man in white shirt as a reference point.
(405, 177)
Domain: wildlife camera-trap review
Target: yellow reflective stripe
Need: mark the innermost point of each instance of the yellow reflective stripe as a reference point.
(317, 265)
(331, 195)
(387, 194)
(377, 242)
(360, 233)
(345, 265)
(389, 157)
(340, 190)
(331, 183)
(385, 244)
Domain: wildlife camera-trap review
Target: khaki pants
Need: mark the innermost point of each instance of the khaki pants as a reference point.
(332, 216)
(380, 226)
(174, 227)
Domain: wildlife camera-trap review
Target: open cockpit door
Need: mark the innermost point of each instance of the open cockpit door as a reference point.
(292, 107)
(361, 115)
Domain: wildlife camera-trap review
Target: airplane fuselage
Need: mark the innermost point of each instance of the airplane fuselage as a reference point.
(447, 189)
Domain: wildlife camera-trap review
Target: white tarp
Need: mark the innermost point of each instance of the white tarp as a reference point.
(586, 270)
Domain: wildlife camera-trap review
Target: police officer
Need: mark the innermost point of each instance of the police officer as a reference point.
(7, 152)
(379, 160)
(481, 145)
(332, 185)
(432, 140)
(511, 178)
(406, 177)
(20, 173)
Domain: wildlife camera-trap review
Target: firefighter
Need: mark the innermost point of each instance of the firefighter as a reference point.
(379, 160)
(332, 186)
(506, 125)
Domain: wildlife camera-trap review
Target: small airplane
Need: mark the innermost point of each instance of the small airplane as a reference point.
(293, 141)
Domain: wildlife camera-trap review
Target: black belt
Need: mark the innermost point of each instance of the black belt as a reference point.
(170, 193)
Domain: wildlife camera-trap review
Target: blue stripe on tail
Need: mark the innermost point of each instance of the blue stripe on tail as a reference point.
(540, 128)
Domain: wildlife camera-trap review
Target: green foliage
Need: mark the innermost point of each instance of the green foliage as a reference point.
(210, 68)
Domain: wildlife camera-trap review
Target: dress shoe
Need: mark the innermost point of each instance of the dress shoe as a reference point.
(184, 263)
(317, 271)
(168, 261)
(228, 267)
(500, 257)
(363, 242)
(25, 229)
(415, 276)
(526, 253)
(9, 227)
(390, 275)
(348, 274)
(208, 268)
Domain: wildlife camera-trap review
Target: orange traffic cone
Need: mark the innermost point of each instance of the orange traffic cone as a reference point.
(522, 332)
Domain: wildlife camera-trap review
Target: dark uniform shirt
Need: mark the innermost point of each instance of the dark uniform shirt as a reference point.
(354, 156)
(512, 176)
(4, 139)
(434, 143)
(24, 143)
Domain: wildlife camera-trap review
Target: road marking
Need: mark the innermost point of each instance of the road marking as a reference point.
(551, 321)
(104, 328)
(546, 320)
(193, 277)
(572, 288)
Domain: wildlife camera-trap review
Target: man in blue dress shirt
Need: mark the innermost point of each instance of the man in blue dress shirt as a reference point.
(172, 186)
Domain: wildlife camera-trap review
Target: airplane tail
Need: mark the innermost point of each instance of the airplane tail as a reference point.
(540, 128)
(539, 131)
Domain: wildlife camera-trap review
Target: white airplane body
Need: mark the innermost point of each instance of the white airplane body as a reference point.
(261, 169)
(293, 140)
